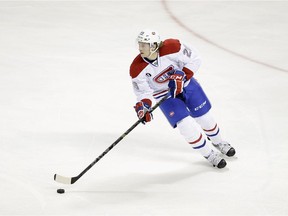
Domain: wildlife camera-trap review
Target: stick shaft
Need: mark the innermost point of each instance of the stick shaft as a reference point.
(67, 180)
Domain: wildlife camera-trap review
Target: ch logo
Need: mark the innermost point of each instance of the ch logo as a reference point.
(164, 75)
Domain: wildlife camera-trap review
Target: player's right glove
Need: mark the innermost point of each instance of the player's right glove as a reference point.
(143, 109)
(176, 83)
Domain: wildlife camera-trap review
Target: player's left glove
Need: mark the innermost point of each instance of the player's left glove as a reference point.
(143, 109)
(176, 83)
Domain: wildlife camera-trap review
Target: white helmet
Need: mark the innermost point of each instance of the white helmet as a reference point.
(149, 36)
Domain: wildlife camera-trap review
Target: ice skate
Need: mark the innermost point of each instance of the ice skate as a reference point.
(225, 148)
(216, 160)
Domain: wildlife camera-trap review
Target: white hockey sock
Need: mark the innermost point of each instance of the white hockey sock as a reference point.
(192, 134)
(210, 127)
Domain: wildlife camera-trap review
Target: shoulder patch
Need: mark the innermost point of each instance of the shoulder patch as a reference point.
(137, 66)
(170, 46)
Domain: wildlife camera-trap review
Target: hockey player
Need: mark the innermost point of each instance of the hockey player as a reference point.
(168, 67)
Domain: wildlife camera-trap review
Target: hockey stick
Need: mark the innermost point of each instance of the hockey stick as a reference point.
(72, 180)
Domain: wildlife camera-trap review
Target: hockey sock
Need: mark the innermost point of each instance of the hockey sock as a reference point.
(204, 149)
(210, 127)
(192, 133)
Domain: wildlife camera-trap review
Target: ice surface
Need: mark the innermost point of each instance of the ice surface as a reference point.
(66, 95)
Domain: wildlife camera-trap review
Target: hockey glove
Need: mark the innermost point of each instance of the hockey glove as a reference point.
(143, 109)
(176, 84)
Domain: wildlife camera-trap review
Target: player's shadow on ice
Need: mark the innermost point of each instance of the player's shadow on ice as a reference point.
(139, 186)
(141, 181)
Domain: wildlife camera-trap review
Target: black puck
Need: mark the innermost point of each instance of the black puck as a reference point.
(61, 191)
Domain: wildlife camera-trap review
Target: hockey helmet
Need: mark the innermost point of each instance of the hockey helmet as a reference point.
(149, 36)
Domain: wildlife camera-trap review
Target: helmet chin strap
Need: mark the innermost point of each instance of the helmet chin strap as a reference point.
(152, 52)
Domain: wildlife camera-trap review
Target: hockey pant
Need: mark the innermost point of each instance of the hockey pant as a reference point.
(191, 115)
(195, 104)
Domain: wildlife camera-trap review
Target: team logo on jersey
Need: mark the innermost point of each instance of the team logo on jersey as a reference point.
(164, 75)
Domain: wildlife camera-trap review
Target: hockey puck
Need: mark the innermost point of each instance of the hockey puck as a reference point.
(60, 191)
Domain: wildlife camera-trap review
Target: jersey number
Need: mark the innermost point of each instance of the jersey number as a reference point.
(187, 52)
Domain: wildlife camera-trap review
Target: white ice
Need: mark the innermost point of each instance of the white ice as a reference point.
(66, 95)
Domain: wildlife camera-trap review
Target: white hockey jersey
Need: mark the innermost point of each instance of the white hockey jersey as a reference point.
(150, 80)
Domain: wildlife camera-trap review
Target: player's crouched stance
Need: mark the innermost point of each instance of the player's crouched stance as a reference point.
(168, 67)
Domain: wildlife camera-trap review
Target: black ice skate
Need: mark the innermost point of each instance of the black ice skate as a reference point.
(225, 148)
(216, 160)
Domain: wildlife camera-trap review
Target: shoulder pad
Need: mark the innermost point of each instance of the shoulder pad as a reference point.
(137, 66)
(170, 46)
